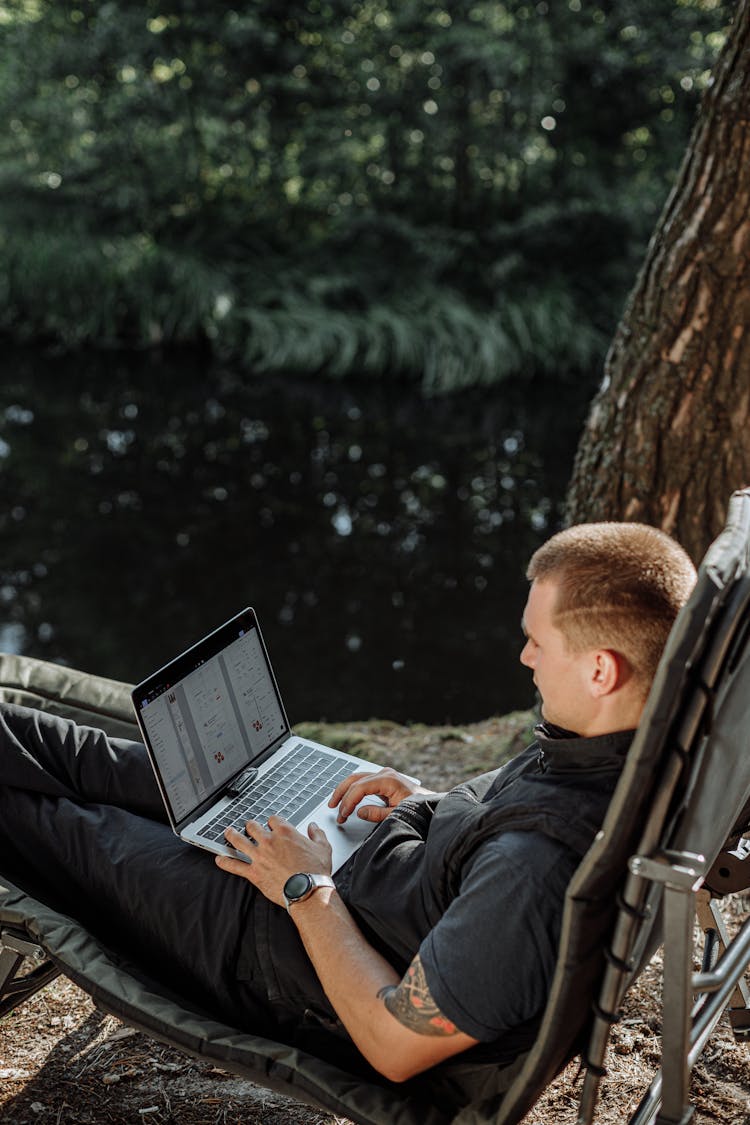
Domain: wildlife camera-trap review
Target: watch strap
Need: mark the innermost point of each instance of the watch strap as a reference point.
(313, 882)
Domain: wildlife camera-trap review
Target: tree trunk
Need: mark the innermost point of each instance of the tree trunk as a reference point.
(667, 438)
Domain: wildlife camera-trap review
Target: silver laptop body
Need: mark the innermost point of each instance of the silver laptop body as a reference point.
(223, 752)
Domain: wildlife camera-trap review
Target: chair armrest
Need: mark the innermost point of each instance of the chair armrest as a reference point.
(87, 699)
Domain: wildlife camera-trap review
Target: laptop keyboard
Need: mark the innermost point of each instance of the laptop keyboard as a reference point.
(292, 789)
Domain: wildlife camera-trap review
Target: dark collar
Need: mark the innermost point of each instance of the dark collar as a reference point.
(562, 751)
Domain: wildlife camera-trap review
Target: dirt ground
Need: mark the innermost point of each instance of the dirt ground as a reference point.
(63, 1062)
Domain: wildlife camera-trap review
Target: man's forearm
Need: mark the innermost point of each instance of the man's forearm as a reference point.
(398, 1039)
(397, 1026)
(352, 974)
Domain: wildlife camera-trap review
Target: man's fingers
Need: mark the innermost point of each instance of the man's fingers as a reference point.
(351, 799)
(242, 862)
(234, 866)
(343, 786)
(244, 842)
(317, 835)
(373, 813)
(383, 785)
(277, 823)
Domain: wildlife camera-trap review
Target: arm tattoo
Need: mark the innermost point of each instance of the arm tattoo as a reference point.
(412, 1005)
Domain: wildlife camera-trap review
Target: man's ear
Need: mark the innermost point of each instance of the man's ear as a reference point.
(609, 671)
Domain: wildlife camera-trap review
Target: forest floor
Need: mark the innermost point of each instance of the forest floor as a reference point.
(63, 1062)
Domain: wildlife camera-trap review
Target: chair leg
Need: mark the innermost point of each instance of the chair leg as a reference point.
(710, 918)
(684, 1033)
(668, 1102)
(679, 919)
(14, 989)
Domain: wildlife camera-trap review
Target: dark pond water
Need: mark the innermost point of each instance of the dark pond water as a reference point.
(381, 538)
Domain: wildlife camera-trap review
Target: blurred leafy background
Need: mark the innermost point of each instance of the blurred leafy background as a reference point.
(454, 193)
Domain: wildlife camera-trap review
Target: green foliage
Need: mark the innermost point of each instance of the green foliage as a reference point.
(456, 194)
(120, 290)
(77, 290)
(440, 338)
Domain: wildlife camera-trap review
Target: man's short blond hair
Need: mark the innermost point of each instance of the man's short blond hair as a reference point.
(620, 587)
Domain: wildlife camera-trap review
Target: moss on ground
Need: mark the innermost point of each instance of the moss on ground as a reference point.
(440, 756)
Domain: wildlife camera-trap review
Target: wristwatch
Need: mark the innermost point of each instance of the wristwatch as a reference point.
(300, 886)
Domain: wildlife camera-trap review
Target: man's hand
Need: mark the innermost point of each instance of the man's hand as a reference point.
(390, 786)
(275, 853)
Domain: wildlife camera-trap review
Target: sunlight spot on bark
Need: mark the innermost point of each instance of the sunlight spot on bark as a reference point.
(685, 244)
(705, 177)
(682, 416)
(739, 414)
(697, 324)
(670, 504)
(677, 351)
(740, 236)
(684, 278)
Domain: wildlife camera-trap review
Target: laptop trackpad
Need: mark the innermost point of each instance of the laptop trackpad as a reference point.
(343, 838)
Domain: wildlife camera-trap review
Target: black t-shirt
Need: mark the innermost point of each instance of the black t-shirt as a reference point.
(489, 961)
(474, 880)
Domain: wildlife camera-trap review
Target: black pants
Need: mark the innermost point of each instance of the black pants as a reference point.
(82, 826)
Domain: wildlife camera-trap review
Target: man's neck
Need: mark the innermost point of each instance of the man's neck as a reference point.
(606, 720)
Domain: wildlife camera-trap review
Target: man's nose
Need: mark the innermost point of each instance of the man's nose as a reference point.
(526, 655)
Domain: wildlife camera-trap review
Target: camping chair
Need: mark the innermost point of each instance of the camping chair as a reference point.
(673, 825)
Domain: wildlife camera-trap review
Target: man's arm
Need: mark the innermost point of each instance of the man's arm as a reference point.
(413, 1006)
(394, 1022)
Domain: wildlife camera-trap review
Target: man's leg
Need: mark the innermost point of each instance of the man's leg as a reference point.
(46, 754)
(67, 834)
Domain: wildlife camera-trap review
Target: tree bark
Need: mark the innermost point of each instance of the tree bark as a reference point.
(667, 438)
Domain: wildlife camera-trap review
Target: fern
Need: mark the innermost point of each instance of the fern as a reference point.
(83, 289)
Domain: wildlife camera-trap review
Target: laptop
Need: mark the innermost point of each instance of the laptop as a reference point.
(223, 752)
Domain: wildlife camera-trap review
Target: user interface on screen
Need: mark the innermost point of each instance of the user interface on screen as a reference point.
(209, 724)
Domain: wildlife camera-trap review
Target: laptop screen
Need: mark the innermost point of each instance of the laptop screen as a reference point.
(209, 713)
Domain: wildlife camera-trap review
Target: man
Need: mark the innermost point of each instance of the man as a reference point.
(441, 932)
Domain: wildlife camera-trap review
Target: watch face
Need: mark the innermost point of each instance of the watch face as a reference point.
(297, 885)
